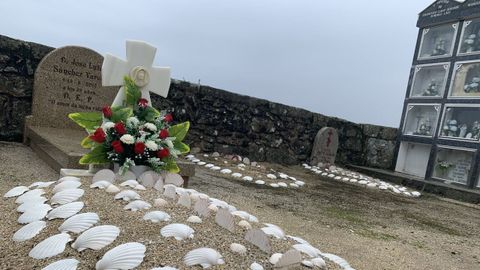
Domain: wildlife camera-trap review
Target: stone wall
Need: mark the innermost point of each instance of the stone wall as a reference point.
(221, 121)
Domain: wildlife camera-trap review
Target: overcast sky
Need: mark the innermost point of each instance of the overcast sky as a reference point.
(348, 59)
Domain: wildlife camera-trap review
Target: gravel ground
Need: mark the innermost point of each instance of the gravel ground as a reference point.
(370, 229)
(160, 251)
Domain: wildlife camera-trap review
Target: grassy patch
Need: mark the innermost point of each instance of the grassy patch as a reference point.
(377, 235)
(351, 216)
(433, 224)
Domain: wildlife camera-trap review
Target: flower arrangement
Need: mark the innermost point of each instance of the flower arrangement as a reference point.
(134, 134)
(444, 166)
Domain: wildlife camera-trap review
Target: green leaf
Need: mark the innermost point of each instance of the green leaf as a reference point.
(87, 120)
(171, 166)
(87, 142)
(98, 155)
(150, 114)
(179, 131)
(120, 114)
(180, 146)
(133, 94)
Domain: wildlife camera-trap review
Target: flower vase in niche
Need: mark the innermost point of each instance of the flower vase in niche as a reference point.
(472, 86)
(470, 42)
(440, 48)
(443, 168)
(450, 129)
(463, 131)
(431, 90)
(424, 128)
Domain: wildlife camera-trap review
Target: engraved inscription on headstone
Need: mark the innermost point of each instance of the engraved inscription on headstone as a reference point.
(325, 146)
(460, 171)
(68, 80)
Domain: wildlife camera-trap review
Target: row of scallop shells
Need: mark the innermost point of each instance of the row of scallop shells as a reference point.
(344, 175)
(282, 184)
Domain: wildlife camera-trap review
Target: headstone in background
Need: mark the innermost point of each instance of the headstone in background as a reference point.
(68, 80)
(325, 146)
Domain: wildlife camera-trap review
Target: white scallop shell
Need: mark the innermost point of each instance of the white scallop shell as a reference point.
(16, 191)
(297, 239)
(148, 178)
(236, 175)
(101, 184)
(104, 175)
(338, 260)
(127, 195)
(307, 249)
(34, 214)
(209, 165)
(226, 171)
(307, 263)
(159, 184)
(41, 184)
(275, 257)
(70, 184)
(66, 210)
(271, 176)
(215, 168)
(51, 246)
(68, 178)
(79, 223)
(126, 256)
(29, 231)
(274, 185)
(30, 195)
(67, 196)
(256, 266)
(260, 182)
(177, 230)
(164, 268)
(282, 184)
(112, 189)
(159, 202)
(33, 202)
(300, 183)
(157, 216)
(245, 215)
(206, 257)
(137, 205)
(238, 248)
(174, 179)
(247, 178)
(96, 238)
(185, 200)
(274, 230)
(319, 262)
(130, 183)
(140, 187)
(170, 191)
(244, 224)
(66, 264)
(194, 219)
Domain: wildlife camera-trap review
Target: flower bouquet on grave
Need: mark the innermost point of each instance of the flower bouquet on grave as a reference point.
(132, 135)
(443, 167)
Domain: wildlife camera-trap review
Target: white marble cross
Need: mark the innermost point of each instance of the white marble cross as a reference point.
(138, 66)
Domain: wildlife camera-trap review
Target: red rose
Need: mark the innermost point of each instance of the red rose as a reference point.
(163, 134)
(107, 111)
(120, 128)
(168, 118)
(98, 136)
(143, 102)
(163, 153)
(139, 148)
(117, 147)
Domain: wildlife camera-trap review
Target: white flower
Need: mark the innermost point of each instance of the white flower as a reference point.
(132, 121)
(107, 125)
(169, 143)
(127, 139)
(150, 126)
(151, 145)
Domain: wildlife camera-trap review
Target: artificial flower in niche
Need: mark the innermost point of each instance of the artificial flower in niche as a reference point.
(163, 134)
(117, 147)
(120, 128)
(127, 139)
(139, 148)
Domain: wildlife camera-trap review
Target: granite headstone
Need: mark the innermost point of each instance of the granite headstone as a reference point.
(68, 80)
(325, 146)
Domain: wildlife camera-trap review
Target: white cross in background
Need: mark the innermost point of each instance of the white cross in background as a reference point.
(138, 66)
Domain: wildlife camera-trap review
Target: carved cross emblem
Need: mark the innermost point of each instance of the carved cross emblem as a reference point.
(139, 67)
